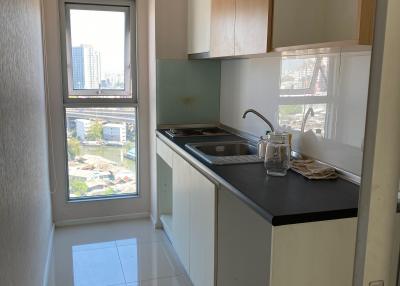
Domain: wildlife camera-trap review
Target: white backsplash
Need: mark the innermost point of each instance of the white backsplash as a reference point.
(283, 89)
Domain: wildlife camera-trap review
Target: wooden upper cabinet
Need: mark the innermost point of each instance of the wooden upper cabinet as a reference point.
(366, 23)
(222, 28)
(229, 28)
(199, 23)
(253, 26)
(303, 24)
(240, 27)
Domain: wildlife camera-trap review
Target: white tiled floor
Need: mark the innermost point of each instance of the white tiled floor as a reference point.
(129, 253)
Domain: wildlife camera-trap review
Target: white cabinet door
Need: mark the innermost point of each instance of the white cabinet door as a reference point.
(199, 23)
(194, 221)
(181, 183)
(322, 22)
(202, 230)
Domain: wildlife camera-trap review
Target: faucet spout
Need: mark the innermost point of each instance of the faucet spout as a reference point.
(260, 116)
(309, 112)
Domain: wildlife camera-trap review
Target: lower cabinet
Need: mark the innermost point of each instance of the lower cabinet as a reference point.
(202, 230)
(193, 221)
(221, 241)
(181, 185)
(244, 244)
(253, 252)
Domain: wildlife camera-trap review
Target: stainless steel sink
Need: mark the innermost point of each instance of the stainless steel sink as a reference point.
(226, 153)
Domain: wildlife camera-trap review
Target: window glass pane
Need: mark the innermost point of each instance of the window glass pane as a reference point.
(101, 152)
(98, 49)
(303, 118)
(304, 76)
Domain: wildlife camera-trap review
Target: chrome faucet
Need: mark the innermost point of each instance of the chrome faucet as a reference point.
(309, 112)
(261, 116)
(262, 143)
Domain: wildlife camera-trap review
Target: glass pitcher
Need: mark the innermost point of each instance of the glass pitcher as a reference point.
(277, 154)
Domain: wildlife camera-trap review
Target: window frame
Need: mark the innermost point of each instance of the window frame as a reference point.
(108, 96)
(284, 92)
(137, 162)
(296, 96)
(109, 100)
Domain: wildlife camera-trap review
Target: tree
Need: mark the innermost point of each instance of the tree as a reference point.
(78, 187)
(74, 147)
(109, 191)
(129, 145)
(290, 109)
(95, 131)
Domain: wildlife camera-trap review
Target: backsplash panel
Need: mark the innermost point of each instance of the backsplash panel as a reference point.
(188, 91)
(320, 99)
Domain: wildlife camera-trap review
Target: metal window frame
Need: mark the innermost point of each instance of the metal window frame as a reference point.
(109, 100)
(107, 96)
(310, 89)
(296, 96)
(137, 163)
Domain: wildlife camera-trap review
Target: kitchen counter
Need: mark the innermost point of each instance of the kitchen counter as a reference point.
(280, 200)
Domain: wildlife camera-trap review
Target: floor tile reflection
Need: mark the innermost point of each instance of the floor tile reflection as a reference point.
(129, 253)
(97, 267)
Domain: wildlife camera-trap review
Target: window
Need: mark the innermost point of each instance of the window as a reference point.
(307, 76)
(307, 86)
(101, 147)
(98, 51)
(99, 99)
(295, 116)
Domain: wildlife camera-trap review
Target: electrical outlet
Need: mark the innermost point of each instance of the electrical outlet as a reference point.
(376, 283)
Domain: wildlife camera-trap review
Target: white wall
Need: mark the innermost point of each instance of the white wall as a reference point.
(256, 83)
(152, 108)
(167, 24)
(377, 252)
(25, 208)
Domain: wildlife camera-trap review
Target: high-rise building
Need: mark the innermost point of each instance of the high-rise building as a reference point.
(86, 68)
(82, 128)
(78, 68)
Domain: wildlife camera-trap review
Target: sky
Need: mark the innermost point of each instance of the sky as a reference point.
(105, 31)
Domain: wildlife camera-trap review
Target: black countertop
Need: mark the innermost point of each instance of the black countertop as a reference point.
(281, 200)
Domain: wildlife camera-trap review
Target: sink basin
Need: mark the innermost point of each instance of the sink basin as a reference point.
(225, 153)
(226, 149)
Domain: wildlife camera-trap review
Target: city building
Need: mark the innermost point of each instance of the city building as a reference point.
(82, 128)
(115, 132)
(86, 67)
(113, 81)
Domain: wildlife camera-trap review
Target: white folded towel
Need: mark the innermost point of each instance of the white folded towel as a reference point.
(313, 170)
